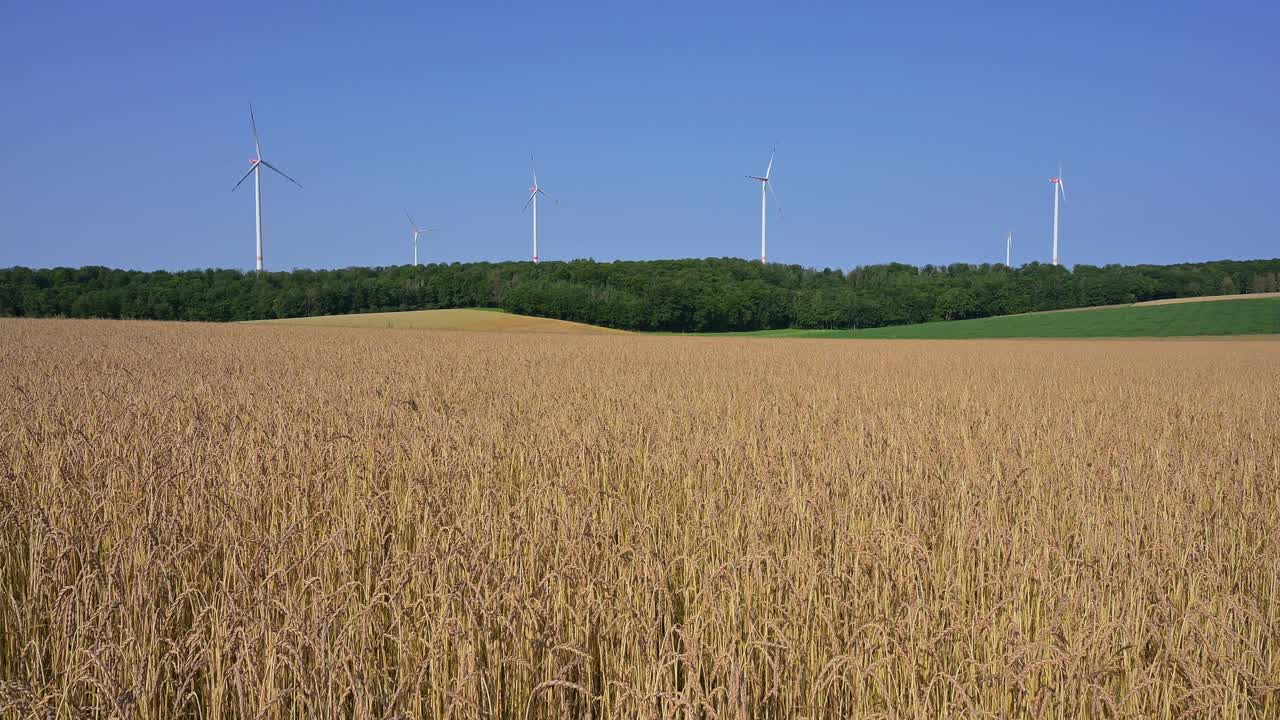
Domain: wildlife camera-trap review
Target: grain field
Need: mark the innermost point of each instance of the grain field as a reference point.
(290, 522)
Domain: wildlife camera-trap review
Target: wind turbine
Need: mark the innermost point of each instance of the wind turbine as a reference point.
(416, 232)
(534, 192)
(255, 169)
(1008, 249)
(765, 190)
(1059, 188)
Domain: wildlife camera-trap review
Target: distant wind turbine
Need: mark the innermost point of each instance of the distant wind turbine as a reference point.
(255, 168)
(1059, 188)
(416, 232)
(534, 192)
(765, 190)
(1008, 249)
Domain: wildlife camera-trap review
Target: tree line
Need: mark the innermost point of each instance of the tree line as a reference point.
(697, 295)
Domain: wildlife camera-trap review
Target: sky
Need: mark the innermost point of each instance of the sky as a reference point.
(908, 132)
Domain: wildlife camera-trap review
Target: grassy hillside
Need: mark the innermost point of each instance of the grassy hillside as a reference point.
(476, 320)
(1227, 317)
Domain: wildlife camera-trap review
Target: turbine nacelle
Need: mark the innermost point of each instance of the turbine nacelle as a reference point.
(413, 226)
(534, 192)
(255, 162)
(765, 180)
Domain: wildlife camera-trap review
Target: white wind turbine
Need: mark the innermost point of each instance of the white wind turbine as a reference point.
(1059, 188)
(416, 232)
(765, 190)
(255, 169)
(1008, 249)
(534, 192)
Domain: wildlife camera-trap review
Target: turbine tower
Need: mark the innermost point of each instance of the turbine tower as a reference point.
(1059, 189)
(534, 192)
(255, 169)
(416, 232)
(765, 190)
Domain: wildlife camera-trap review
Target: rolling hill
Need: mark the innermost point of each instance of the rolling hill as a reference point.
(467, 320)
(1213, 316)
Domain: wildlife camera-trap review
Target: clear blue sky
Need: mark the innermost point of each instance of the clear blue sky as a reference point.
(917, 134)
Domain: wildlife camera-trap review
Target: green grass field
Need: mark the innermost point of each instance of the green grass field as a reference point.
(1229, 317)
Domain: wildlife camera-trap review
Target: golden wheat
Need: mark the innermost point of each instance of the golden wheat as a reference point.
(282, 522)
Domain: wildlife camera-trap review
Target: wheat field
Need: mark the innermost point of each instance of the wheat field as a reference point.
(452, 319)
(289, 522)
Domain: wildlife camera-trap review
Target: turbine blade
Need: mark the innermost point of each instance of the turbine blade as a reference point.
(412, 224)
(246, 177)
(1063, 188)
(543, 192)
(257, 144)
(775, 197)
(769, 169)
(755, 177)
(526, 202)
(282, 173)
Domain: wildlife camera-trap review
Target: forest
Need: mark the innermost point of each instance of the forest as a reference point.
(694, 295)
